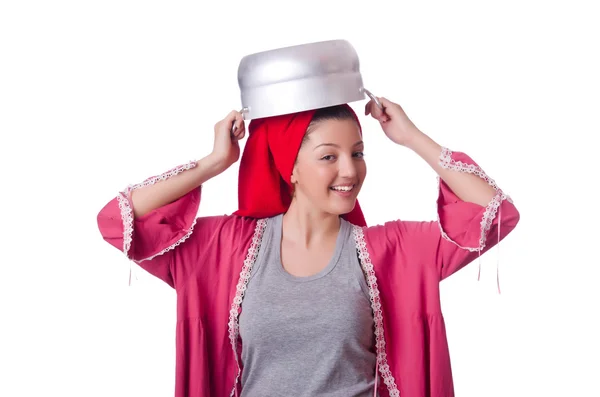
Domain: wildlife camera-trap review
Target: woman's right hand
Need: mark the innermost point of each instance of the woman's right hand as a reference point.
(226, 149)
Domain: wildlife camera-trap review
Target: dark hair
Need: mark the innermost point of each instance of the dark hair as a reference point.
(337, 112)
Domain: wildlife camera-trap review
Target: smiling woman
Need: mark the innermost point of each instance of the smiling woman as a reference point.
(330, 169)
(288, 295)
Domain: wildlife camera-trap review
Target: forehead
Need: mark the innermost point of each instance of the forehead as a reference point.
(334, 131)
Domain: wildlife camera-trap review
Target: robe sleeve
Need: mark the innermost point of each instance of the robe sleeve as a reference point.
(462, 232)
(153, 240)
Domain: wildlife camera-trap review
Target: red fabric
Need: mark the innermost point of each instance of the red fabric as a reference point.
(264, 187)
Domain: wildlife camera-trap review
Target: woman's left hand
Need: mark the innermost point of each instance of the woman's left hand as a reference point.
(393, 120)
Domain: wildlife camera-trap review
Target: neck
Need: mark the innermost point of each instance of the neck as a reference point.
(306, 226)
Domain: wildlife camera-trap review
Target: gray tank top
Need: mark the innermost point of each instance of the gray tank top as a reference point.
(307, 336)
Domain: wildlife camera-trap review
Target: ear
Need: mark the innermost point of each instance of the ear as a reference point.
(293, 178)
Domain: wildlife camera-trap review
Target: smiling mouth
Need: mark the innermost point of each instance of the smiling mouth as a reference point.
(346, 188)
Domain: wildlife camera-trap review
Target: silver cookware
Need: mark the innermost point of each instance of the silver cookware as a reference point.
(302, 77)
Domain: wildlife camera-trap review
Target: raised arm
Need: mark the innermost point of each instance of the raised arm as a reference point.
(171, 186)
(474, 214)
(168, 187)
(467, 186)
(148, 220)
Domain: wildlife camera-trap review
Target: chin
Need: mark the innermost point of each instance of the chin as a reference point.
(341, 209)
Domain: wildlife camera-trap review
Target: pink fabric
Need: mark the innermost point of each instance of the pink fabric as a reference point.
(410, 260)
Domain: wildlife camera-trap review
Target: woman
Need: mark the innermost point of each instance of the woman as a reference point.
(293, 294)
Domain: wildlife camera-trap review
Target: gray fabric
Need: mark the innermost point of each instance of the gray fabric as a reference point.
(307, 336)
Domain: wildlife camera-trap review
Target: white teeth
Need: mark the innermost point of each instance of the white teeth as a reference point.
(343, 188)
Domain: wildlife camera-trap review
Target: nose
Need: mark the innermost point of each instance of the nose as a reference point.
(347, 167)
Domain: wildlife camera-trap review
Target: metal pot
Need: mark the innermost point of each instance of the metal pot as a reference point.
(302, 77)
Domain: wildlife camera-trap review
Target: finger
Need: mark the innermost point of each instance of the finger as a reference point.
(376, 111)
(232, 121)
(390, 106)
(238, 123)
(239, 132)
(372, 109)
(240, 136)
(385, 102)
(230, 118)
(239, 119)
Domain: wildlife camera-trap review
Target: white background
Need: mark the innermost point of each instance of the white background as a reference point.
(95, 95)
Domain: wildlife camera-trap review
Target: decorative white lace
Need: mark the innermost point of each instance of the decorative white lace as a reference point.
(127, 217)
(383, 368)
(367, 266)
(242, 285)
(174, 245)
(124, 199)
(447, 162)
(164, 176)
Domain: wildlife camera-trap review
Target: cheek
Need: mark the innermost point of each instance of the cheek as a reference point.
(320, 179)
(362, 170)
(316, 178)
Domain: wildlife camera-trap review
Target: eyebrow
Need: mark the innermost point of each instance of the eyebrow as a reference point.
(337, 146)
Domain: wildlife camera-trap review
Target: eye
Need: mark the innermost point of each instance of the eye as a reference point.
(360, 155)
(328, 157)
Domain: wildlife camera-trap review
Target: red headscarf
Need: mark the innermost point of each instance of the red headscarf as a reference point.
(265, 187)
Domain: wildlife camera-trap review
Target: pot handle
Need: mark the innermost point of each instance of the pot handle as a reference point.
(364, 90)
(373, 97)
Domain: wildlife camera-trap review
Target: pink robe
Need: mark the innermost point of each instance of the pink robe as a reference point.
(207, 260)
